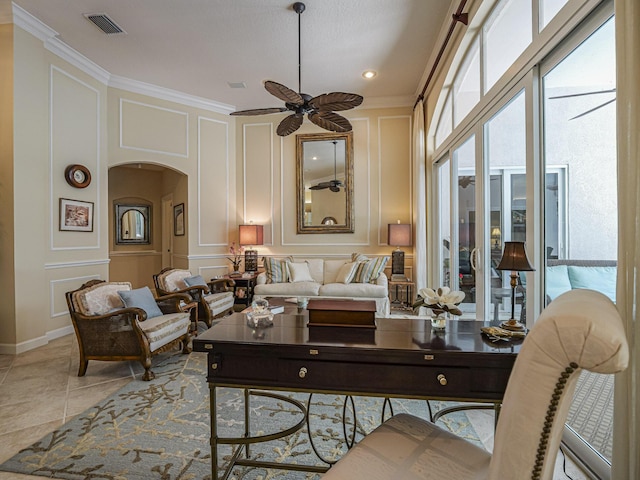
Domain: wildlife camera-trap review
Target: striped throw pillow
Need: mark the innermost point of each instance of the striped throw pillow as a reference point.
(276, 270)
(359, 257)
(368, 271)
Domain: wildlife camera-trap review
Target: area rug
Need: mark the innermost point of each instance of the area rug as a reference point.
(161, 429)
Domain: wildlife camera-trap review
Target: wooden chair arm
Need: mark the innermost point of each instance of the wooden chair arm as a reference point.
(171, 303)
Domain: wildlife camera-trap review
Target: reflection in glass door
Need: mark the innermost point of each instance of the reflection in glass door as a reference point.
(505, 158)
(443, 187)
(580, 139)
(464, 213)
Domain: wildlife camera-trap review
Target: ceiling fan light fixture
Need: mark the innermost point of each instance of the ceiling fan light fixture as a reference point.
(320, 110)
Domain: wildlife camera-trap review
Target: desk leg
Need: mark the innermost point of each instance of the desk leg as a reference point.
(214, 432)
(247, 429)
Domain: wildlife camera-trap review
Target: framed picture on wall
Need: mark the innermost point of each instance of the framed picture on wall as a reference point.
(76, 215)
(178, 220)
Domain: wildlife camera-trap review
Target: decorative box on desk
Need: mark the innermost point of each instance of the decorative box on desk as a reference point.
(342, 313)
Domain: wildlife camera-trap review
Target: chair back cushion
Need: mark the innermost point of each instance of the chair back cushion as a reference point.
(195, 281)
(100, 298)
(173, 280)
(580, 329)
(141, 298)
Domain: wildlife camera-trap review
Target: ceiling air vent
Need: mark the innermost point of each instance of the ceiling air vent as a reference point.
(104, 23)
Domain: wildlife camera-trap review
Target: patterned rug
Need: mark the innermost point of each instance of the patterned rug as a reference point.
(160, 429)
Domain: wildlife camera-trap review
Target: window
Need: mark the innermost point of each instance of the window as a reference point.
(506, 35)
(548, 10)
(445, 124)
(466, 88)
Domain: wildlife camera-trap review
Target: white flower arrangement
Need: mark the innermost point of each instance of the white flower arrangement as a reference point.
(441, 300)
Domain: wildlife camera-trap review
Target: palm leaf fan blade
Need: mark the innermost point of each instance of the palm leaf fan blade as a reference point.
(283, 93)
(330, 121)
(260, 111)
(335, 101)
(289, 124)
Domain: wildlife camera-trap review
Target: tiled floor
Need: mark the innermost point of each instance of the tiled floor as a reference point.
(40, 390)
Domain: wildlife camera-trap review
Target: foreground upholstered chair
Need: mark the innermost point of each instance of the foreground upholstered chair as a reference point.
(581, 329)
(215, 298)
(108, 330)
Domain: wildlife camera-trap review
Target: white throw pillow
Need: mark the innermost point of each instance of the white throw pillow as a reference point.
(331, 269)
(346, 272)
(299, 272)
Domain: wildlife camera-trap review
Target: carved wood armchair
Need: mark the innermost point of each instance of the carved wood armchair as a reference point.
(108, 330)
(215, 298)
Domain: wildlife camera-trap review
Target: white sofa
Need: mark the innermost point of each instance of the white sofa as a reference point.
(324, 282)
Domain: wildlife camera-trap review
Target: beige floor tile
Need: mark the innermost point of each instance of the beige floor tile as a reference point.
(99, 372)
(17, 476)
(6, 361)
(81, 399)
(31, 412)
(12, 443)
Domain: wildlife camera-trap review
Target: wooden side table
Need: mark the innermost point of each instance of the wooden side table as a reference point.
(246, 284)
(397, 299)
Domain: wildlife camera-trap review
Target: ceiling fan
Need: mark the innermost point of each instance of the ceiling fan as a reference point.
(335, 184)
(596, 92)
(320, 110)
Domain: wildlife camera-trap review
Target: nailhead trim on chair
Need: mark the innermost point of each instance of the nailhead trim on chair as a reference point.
(551, 412)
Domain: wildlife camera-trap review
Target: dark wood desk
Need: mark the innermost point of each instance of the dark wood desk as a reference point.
(401, 358)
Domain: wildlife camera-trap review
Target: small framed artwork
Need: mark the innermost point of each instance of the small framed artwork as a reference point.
(76, 215)
(178, 220)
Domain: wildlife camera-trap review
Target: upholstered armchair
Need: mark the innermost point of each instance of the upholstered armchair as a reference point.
(581, 329)
(113, 322)
(215, 298)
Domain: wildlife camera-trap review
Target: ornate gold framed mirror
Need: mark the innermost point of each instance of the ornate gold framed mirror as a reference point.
(324, 173)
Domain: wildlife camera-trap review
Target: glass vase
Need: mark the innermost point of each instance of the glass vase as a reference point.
(439, 321)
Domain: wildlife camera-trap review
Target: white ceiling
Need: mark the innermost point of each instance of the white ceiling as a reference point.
(197, 46)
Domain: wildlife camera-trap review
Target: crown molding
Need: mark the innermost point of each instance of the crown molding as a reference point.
(135, 86)
(388, 102)
(31, 24)
(49, 37)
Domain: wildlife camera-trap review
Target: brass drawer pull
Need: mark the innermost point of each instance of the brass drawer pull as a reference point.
(303, 372)
(442, 379)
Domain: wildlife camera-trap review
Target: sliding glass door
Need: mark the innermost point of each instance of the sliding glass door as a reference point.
(578, 89)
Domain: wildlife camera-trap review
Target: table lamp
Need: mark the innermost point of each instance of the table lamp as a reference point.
(514, 258)
(399, 234)
(250, 235)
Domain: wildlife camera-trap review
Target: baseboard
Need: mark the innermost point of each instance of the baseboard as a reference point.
(15, 349)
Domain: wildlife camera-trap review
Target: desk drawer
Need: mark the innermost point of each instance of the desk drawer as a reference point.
(376, 378)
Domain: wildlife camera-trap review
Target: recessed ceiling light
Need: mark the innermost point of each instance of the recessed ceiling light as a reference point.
(369, 74)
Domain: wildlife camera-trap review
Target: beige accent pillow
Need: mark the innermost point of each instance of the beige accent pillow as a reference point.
(299, 272)
(346, 272)
(331, 269)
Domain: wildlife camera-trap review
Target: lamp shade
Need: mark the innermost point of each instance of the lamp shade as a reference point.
(514, 258)
(399, 234)
(250, 235)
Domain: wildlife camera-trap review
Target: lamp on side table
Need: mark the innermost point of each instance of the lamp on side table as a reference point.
(250, 235)
(514, 258)
(399, 235)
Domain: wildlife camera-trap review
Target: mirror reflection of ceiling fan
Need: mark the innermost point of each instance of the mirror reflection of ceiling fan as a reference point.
(320, 110)
(596, 92)
(335, 184)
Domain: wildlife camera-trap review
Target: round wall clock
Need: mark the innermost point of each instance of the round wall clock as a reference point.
(77, 176)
